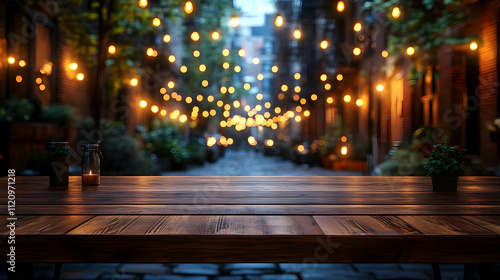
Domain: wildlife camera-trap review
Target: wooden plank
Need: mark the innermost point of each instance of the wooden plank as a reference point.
(364, 225)
(444, 225)
(260, 197)
(198, 225)
(264, 209)
(53, 225)
(491, 223)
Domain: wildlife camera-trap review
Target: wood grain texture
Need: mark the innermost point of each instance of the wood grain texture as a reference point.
(199, 225)
(256, 219)
(445, 225)
(364, 225)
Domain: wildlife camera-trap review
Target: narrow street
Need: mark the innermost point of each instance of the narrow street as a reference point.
(251, 163)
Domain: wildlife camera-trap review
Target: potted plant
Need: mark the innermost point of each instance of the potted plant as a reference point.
(444, 164)
(57, 161)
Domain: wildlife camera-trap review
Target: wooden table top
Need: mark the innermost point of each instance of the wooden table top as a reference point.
(255, 219)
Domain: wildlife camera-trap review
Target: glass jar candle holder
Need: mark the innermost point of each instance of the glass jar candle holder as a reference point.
(91, 165)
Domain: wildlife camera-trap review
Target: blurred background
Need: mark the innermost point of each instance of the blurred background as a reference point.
(170, 86)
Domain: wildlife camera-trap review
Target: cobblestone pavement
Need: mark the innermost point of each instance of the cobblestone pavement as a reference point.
(249, 163)
(250, 271)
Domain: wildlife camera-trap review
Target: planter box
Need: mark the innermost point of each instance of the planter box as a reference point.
(350, 165)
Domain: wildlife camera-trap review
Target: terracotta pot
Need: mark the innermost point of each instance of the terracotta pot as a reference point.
(444, 182)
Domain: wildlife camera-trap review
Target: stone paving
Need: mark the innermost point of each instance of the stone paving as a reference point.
(249, 163)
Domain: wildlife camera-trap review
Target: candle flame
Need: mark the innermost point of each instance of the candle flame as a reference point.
(90, 172)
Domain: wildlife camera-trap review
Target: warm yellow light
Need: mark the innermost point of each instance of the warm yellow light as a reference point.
(259, 96)
(274, 69)
(225, 52)
(347, 98)
(246, 86)
(215, 35)
(278, 21)
(357, 27)
(154, 109)
(303, 101)
(189, 99)
(156, 21)
(255, 60)
(210, 98)
(359, 102)
(149, 52)
(314, 97)
(235, 21)
(183, 118)
(166, 38)
(247, 108)
(298, 109)
(296, 97)
(195, 36)
(80, 76)
(237, 69)
(300, 148)
(41, 87)
(340, 6)
(166, 97)
(297, 34)
(356, 51)
(223, 89)
(205, 114)
(73, 66)
(202, 67)
(297, 89)
(252, 141)
(297, 76)
(226, 114)
(410, 50)
(178, 98)
(307, 113)
(143, 3)
(269, 142)
(199, 97)
(473, 46)
(171, 58)
(380, 87)
(231, 90)
(163, 90)
(324, 44)
(11, 60)
(241, 52)
(22, 63)
(163, 112)
(284, 88)
(396, 12)
(258, 107)
(329, 100)
(236, 104)
(277, 110)
(343, 150)
(385, 53)
(328, 86)
(340, 77)
(188, 7)
(225, 65)
(298, 118)
(260, 77)
(196, 53)
(323, 77)
(19, 78)
(184, 69)
(204, 83)
(281, 96)
(134, 82)
(143, 103)
(343, 139)
(38, 80)
(223, 123)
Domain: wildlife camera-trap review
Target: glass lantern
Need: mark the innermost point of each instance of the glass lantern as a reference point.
(91, 164)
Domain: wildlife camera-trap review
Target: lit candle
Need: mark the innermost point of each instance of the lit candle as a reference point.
(90, 179)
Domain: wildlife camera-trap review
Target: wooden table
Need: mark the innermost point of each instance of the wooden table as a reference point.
(256, 219)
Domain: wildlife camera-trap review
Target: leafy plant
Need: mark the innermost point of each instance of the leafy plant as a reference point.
(165, 143)
(52, 153)
(57, 114)
(445, 159)
(16, 109)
